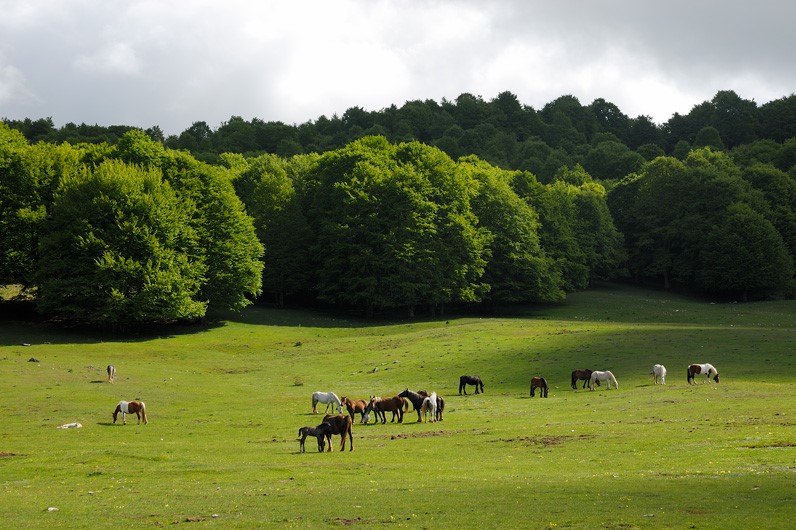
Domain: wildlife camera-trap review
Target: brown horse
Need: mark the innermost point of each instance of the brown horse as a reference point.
(381, 405)
(339, 424)
(355, 407)
(584, 374)
(130, 407)
(541, 384)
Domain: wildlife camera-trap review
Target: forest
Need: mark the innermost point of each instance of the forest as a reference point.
(413, 208)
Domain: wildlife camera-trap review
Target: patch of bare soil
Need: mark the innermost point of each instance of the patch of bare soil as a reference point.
(3, 453)
(544, 441)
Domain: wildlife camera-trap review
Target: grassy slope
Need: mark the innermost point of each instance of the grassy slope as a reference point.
(225, 404)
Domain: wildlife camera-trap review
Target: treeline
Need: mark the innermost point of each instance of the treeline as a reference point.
(132, 230)
(502, 131)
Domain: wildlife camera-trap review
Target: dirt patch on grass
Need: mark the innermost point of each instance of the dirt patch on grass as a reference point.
(772, 445)
(544, 441)
(3, 453)
(342, 521)
(424, 434)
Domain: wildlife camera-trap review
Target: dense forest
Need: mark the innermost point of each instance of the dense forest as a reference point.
(422, 206)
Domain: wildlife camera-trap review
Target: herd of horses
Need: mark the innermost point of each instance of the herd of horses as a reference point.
(430, 406)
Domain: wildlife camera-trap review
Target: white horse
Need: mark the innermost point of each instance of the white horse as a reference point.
(705, 369)
(429, 407)
(603, 376)
(326, 397)
(658, 374)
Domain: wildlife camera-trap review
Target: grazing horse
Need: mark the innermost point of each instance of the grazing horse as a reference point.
(658, 374)
(541, 384)
(111, 373)
(320, 432)
(577, 375)
(381, 405)
(130, 407)
(597, 376)
(355, 407)
(326, 397)
(440, 403)
(706, 369)
(339, 424)
(470, 380)
(429, 407)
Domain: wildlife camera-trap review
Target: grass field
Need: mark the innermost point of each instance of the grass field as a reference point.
(225, 403)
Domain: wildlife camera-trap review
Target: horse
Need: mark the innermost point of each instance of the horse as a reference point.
(320, 432)
(416, 400)
(111, 373)
(658, 374)
(355, 407)
(380, 405)
(326, 397)
(707, 369)
(130, 407)
(429, 407)
(584, 374)
(440, 403)
(470, 380)
(541, 384)
(597, 376)
(339, 424)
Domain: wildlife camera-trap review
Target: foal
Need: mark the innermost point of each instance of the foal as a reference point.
(320, 432)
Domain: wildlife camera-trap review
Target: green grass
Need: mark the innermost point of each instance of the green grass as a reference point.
(225, 403)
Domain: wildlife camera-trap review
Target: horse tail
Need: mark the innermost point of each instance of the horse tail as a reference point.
(143, 413)
(406, 403)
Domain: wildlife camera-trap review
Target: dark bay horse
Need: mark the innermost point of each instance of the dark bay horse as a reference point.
(541, 384)
(321, 432)
(470, 380)
(381, 406)
(339, 424)
(355, 407)
(577, 375)
(416, 400)
(440, 403)
(130, 407)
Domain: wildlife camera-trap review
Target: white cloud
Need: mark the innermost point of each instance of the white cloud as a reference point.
(147, 62)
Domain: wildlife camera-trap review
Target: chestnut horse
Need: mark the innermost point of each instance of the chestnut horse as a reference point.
(541, 384)
(130, 407)
(470, 380)
(339, 424)
(577, 375)
(355, 407)
(381, 405)
(706, 369)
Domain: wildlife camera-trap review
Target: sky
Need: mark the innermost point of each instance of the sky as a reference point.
(171, 63)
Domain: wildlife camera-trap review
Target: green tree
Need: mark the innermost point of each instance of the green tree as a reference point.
(116, 250)
(517, 270)
(744, 254)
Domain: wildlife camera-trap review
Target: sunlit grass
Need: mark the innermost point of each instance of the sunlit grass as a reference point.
(225, 403)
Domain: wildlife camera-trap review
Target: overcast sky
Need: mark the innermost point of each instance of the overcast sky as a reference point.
(174, 62)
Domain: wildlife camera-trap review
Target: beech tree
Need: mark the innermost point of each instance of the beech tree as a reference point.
(116, 249)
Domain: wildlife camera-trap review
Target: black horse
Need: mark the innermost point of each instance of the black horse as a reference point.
(320, 432)
(416, 400)
(541, 384)
(470, 380)
(584, 374)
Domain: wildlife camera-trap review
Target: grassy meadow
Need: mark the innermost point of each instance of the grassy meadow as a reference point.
(225, 403)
